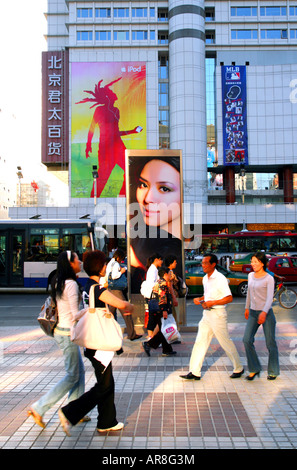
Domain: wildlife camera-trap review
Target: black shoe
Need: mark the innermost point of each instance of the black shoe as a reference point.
(236, 375)
(136, 337)
(190, 376)
(146, 348)
(252, 375)
(271, 377)
(167, 354)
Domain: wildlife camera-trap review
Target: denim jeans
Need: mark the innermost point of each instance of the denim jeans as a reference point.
(74, 380)
(269, 333)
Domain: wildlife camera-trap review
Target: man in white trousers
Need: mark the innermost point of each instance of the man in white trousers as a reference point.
(214, 320)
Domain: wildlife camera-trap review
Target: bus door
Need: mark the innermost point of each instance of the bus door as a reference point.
(12, 258)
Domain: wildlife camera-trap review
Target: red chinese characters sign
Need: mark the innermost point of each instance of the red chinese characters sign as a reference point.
(55, 102)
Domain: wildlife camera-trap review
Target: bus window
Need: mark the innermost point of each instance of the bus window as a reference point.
(77, 240)
(2, 254)
(220, 245)
(43, 245)
(287, 243)
(273, 244)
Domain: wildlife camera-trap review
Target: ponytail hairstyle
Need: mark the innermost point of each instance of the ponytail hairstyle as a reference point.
(64, 271)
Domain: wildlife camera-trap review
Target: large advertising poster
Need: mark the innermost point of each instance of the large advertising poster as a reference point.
(108, 115)
(154, 210)
(234, 98)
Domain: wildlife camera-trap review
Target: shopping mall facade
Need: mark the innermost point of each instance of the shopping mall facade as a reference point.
(214, 79)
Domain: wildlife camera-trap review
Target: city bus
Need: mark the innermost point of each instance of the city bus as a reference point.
(237, 245)
(29, 248)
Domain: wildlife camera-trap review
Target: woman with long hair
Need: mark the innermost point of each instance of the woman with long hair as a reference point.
(258, 312)
(66, 295)
(102, 394)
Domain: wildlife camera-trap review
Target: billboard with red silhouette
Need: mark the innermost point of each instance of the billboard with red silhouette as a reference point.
(108, 115)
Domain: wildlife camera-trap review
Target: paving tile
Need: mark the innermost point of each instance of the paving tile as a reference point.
(159, 409)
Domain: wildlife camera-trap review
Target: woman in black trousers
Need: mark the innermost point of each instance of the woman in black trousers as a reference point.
(102, 393)
(161, 294)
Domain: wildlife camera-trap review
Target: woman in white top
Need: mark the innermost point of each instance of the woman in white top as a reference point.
(66, 294)
(115, 271)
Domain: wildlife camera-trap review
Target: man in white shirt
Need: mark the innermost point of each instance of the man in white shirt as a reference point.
(214, 321)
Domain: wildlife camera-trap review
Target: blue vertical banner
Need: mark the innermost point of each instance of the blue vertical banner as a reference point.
(234, 99)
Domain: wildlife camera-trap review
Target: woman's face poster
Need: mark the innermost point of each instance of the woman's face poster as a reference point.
(154, 209)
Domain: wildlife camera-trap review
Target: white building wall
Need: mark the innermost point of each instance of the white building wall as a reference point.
(271, 114)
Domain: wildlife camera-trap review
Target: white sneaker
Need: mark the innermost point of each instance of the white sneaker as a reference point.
(117, 427)
(64, 423)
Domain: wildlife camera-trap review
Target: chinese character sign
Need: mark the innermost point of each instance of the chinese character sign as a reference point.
(234, 99)
(108, 115)
(55, 94)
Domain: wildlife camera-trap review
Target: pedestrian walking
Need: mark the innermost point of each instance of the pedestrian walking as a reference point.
(258, 312)
(161, 294)
(115, 271)
(154, 262)
(66, 294)
(102, 393)
(214, 320)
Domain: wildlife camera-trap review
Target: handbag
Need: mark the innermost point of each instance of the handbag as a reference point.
(169, 329)
(117, 284)
(146, 289)
(182, 288)
(153, 306)
(48, 317)
(97, 329)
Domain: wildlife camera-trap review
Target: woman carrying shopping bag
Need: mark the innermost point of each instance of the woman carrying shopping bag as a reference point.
(66, 294)
(102, 394)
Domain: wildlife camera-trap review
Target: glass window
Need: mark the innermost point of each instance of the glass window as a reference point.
(243, 11)
(293, 33)
(244, 34)
(43, 244)
(139, 12)
(121, 35)
(84, 13)
(209, 14)
(274, 34)
(210, 37)
(139, 35)
(103, 12)
(152, 12)
(163, 67)
(273, 11)
(103, 35)
(287, 243)
(121, 12)
(152, 35)
(162, 14)
(293, 11)
(76, 239)
(162, 37)
(163, 94)
(84, 35)
(164, 117)
(164, 142)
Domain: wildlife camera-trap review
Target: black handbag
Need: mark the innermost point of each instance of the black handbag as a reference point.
(48, 317)
(153, 305)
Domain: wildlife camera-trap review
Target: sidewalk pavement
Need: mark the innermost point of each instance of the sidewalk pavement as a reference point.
(159, 409)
